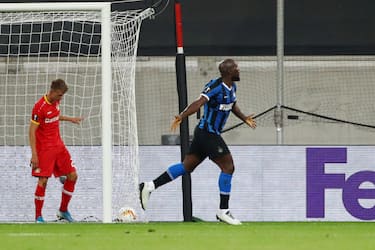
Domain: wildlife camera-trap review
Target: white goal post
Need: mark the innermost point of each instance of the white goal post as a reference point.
(93, 42)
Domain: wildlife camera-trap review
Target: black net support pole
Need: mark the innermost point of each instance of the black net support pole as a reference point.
(182, 103)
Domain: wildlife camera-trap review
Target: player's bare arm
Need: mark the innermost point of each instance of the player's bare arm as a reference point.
(32, 140)
(247, 119)
(75, 120)
(191, 109)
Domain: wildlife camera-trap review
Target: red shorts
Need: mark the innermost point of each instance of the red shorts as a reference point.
(56, 161)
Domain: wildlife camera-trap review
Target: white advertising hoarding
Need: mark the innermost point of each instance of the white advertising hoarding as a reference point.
(278, 183)
(270, 183)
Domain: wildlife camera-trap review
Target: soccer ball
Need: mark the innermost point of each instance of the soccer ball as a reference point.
(127, 214)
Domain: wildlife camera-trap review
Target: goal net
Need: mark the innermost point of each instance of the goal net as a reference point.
(94, 51)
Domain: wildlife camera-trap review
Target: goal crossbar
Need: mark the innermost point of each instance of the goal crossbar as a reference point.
(55, 6)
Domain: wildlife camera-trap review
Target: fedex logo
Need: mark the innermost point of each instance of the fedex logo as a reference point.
(317, 181)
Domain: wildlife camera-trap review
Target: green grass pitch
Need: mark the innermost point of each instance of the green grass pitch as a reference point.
(190, 236)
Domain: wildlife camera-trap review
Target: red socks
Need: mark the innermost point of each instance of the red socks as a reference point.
(67, 193)
(39, 200)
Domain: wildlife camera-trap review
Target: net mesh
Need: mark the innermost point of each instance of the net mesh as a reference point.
(38, 47)
(334, 94)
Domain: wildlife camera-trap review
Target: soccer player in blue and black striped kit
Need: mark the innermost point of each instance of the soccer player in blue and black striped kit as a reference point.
(219, 99)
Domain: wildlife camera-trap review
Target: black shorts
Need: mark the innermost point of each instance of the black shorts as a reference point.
(207, 144)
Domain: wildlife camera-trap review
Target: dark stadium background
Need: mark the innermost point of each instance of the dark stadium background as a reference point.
(243, 27)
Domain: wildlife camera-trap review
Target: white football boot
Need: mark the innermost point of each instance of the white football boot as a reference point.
(225, 215)
(145, 189)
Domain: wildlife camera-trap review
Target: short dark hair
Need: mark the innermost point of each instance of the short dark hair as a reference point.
(225, 66)
(59, 84)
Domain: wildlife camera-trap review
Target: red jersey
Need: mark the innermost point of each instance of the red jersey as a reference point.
(46, 115)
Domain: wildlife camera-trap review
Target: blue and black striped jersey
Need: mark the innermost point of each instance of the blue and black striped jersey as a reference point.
(221, 99)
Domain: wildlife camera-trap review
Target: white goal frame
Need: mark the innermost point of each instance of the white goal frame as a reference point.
(105, 9)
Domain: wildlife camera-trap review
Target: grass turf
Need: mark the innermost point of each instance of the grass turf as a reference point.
(190, 236)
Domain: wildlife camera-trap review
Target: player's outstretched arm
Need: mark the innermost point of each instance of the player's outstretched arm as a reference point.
(247, 119)
(76, 120)
(191, 109)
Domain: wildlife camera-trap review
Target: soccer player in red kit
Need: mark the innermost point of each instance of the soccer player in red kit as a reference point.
(48, 152)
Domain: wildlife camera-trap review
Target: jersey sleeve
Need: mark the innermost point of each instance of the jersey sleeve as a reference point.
(36, 115)
(210, 90)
